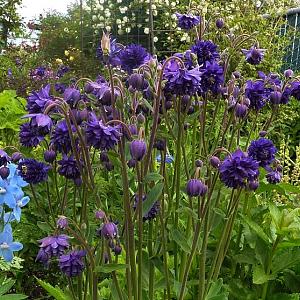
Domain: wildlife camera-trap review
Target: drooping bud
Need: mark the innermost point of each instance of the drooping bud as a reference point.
(160, 145)
(133, 129)
(240, 110)
(49, 156)
(109, 230)
(100, 214)
(215, 161)
(263, 133)
(136, 81)
(196, 188)
(131, 163)
(138, 149)
(288, 73)
(141, 118)
(4, 172)
(253, 185)
(199, 163)
(16, 156)
(275, 97)
(62, 222)
(236, 74)
(117, 250)
(220, 23)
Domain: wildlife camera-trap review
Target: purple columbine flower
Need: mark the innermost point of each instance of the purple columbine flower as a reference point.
(263, 151)
(51, 246)
(274, 176)
(256, 93)
(33, 171)
(133, 56)
(68, 167)
(275, 97)
(181, 81)
(189, 58)
(212, 77)
(215, 161)
(196, 188)
(101, 136)
(72, 96)
(240, 110)
(238, 169)
(136, 81)
(295, 89)
(60, 138)
(31, 135)
(288, 73)
(60, 87)
(109, 230)
(4, 172)
(37, 101)
(254, 55)
(205, 51)
(187, 21)
(152, 212)
(71, 263)
(62, 70)
(138, 149)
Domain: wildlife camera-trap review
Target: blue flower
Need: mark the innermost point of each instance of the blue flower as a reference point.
(17, 207)
(254, 55)
(169, 158)
(212, 77)
(256, 93)
(14, 178)
(8, 192)
(205, 51)
(36, 101)
(7, 245)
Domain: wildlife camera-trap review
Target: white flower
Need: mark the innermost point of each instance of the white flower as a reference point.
(119, 26)
(125, 19)
(128, 29)
(154, 12)
(120, 31)
(94, 18)
(101, 1)
(118, 21)
(146, 30)
(107, 14)
(101, 18)
(101, 7)
(173, 4)
(155, 39)
(153, 6)
(108, 28)
(119, 1)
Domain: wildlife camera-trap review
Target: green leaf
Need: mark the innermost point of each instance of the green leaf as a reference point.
(13, 297)
(285, 260)
(108, 268)
(153, 177)
(217, 291)
(44, 226)
(6, 286)
(152, 196)
(180, 239)
(257, 229)
(55, 292)
(259, 275)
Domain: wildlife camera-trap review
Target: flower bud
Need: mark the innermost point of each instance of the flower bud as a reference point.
(263, 133)
(247, 101)
(220, 23)
(4, 172)
(49, 156)
(109, 166)
(136, 81)
(196, 188)
(78, 181)
(274, 177)
(109, 230)
(215, 161)
(275, 97)
(131, 163)
(104, 157)
(133, 129)
(253, 185)
(140, 118)
(16, 156)
(117, 250)
(199, 163)
(236, 74)
(138, 149)
(288, 73)
(88, 88)
(100, 214)
(160, 145)
(240, 110)
(62, 222)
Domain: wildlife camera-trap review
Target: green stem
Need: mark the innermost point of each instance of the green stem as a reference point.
(151, 266)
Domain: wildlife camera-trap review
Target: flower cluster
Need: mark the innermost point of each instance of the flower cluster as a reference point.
(12, 199)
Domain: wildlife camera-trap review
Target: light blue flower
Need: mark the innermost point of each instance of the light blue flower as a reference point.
(9, 192)
(14, 178)
(169, 158)
(17, 207)
(7, 245)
